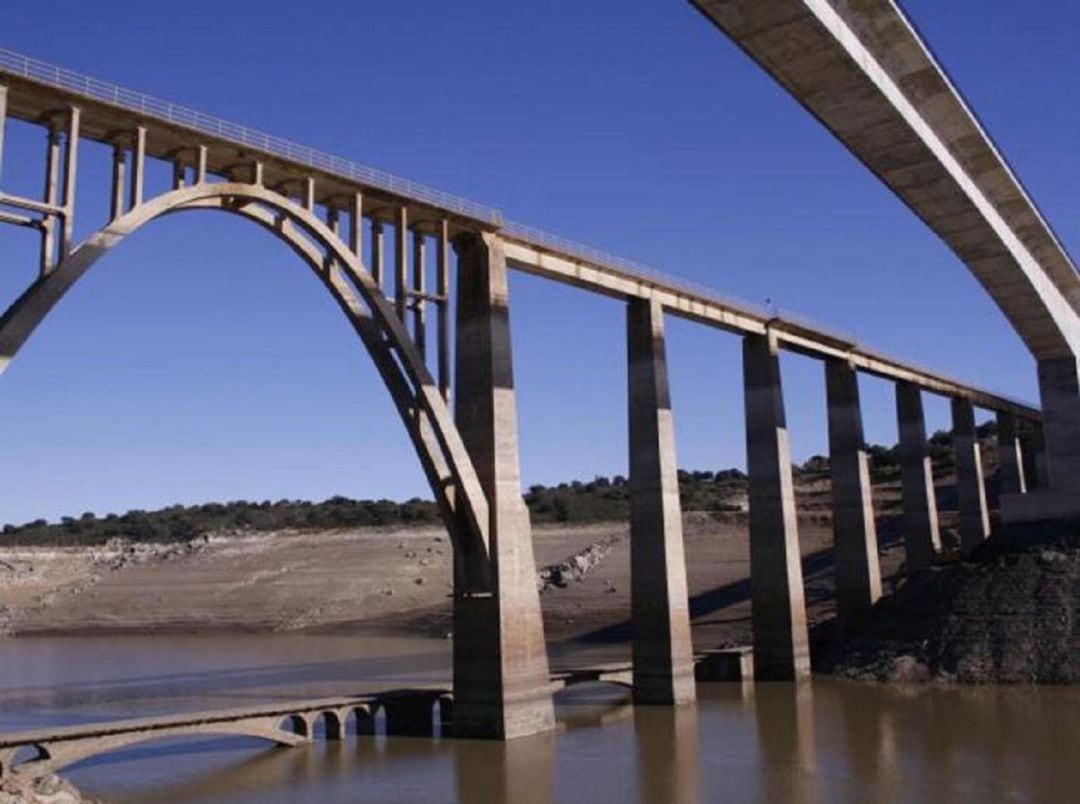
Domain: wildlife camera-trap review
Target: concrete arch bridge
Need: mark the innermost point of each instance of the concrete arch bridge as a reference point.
(868, 78)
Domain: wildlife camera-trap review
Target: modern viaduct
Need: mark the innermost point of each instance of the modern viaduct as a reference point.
(368, 237)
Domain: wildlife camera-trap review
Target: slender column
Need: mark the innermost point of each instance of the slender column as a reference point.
(200, 164)
(970, 488)
(71, 163)
(442, 289)
(1011, 478)
(1059, 390)
(922, 539)
(858, 575)
(138, 167)
(662, 651)
(309, 194)
(501, 682)
(418, 305)
(119, 180)
(179, 173)
(333, 223)
(401, 261)
(52, 179)
(781, 644)
(377, 242)
(3, 122)
(356, 225)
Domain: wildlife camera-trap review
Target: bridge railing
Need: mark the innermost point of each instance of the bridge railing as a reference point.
(147, 106)
(628, 268)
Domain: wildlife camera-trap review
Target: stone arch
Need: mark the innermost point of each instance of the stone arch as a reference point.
(298, 725)
(333, 722)
(424, 412)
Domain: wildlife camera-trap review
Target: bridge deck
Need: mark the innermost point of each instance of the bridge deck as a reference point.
(38, 90)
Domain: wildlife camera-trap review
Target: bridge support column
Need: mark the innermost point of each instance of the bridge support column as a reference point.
(781, 645)
(922, 537)
(1059, 390)
(1011, 478)
(1056, 461)
(663, 654)
(970, 489)
(858, 574)
(501, 682)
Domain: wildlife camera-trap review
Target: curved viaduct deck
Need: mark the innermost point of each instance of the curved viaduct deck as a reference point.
(863, 71)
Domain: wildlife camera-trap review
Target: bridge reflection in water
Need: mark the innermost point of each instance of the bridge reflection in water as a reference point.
(803, 742)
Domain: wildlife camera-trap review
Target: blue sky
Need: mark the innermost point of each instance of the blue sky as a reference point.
(200, 361)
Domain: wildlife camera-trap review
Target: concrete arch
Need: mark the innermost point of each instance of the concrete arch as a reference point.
(416, 395)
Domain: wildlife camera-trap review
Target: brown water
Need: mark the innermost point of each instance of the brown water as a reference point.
(824, 741)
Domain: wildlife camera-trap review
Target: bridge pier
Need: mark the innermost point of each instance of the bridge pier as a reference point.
(858, 574)
(922, 537)
(1056, 494)
(662, 651)
(781, 644)
(501, 681)
(970, 489)
(1011, 476)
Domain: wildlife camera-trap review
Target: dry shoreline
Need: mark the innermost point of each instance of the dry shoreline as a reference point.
(396, 579)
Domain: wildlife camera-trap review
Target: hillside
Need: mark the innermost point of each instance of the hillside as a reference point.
(601, 499)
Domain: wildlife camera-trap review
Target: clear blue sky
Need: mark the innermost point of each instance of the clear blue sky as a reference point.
(200, 361)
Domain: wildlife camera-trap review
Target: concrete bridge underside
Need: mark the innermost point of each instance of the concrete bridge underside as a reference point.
(860, 67)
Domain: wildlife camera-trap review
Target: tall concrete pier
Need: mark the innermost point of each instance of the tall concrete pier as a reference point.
(501, 678)
(858, 574)
(663, 655)
(781, 643)
(970, 487)
(922, 538)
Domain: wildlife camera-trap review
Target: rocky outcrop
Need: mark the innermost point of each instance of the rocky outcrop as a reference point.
(575, 568)
(1011, 614)
(45, 788)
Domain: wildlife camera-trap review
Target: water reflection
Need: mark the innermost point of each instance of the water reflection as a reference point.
(784, 714)
(521, 771)
(667, 754)
(820, 741)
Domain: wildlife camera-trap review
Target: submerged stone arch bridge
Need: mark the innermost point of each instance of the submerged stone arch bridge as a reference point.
(346, 221)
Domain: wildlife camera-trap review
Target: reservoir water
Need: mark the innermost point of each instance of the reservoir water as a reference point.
(822, 741)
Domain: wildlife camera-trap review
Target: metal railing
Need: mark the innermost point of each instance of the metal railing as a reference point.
(147, 106)
(629, 269)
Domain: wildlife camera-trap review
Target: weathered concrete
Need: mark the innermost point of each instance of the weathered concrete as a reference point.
(970, 488)
(663, 657)
(781, 645)
(863, 71)
(1011, 471)
(501, 685)
(922, 538)
(858, 574)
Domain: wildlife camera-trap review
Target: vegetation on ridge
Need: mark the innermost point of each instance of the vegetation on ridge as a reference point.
(601, 499)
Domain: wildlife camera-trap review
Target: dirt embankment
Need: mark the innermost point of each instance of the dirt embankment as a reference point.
(1011, 614)
(400, 579)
